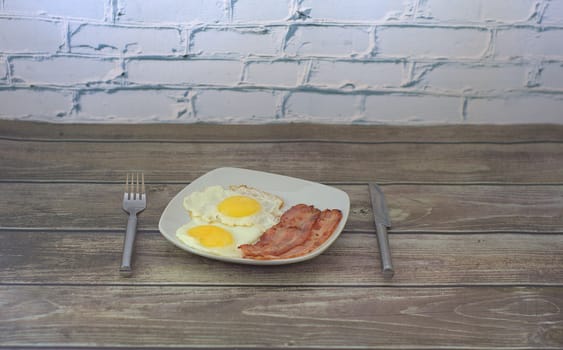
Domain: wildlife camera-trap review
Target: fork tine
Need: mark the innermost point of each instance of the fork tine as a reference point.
(127, 186)
(136, 186)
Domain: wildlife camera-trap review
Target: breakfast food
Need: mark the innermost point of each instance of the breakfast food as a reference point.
(236, 206)
(323, 228)
(245, 222)
(224, 218)
(216, 238)
(301, 230)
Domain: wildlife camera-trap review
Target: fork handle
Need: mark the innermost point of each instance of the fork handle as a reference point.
(125, 268)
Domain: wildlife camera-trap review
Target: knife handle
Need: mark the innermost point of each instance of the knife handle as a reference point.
(383, 241)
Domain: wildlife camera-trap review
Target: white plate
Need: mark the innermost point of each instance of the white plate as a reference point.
(291, 190)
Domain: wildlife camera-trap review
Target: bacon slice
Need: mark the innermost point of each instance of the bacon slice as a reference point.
(301, 230)
(322, 229)
(294, 228)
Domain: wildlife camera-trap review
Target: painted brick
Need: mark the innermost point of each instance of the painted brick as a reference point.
(222, 105)
(328, 41)
(409, 41)
(64, 70)
(413, 109)
(260, 10)
(172, 11)
(520, 42)
(91, 9)
(238, 42)
(133, 105)
(184, 72)
(553, 13)
(3, 70)
(277, 73)
(473, 77)
(117, 40)
(516, 110)
(552, 76)
(22, 35)
(317, 106)
(356, 74)
(34, 104)
(354, 10)
(479, 10)
(324, 64)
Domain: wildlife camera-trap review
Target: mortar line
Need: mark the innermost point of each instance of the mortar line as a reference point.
(367, 24)
(9, 72)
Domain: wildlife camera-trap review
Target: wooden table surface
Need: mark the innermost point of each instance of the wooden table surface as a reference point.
(477, 239)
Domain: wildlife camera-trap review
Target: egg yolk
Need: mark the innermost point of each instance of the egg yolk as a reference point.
(239, 206)
(211, 236)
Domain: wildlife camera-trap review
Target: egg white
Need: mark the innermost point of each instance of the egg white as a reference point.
(203, 206)
(241, 235)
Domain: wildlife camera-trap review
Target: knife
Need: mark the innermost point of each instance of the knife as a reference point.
(382, 222)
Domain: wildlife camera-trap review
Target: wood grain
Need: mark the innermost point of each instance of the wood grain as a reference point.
(353, 260)
(275, 317)
(477, 232)
(413, 208)
(323, 162)
(292, 131)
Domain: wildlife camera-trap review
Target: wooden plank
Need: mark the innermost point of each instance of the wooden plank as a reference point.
(413, 208)
(291, 131)
(422, 260)
(270, 317)
(326, 162)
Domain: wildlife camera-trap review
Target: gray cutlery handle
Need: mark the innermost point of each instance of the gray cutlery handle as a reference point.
(125, 268)
(383, 241)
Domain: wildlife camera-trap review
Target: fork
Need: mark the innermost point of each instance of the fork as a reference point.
(134, 202)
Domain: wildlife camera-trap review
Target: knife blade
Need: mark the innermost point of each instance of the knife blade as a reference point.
(382, 222)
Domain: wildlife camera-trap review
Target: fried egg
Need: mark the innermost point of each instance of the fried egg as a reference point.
(216, 238)
(236, 206)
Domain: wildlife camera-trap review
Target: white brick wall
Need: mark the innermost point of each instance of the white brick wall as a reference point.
(237, 42)
(432, 42)
(310, 106)
(184, 72)
(35, 104)
(3, 70)
(553, 13)
(116, 40)
(260, 10)
(248, 105)
(528, 109)
(353, 74)
(259, 61)
(480, 10)
(552, 76)
(412, 108)
(278, 73)
(328, 41)
(30, 36)
(133, 105)
(529, 43)
(91, 9)
(170, 11)
(63, 70)
(472, 77)
(354, 10)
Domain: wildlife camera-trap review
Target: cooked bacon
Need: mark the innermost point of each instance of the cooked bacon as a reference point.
(301, 230)
(322, 229)
(294, 228)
